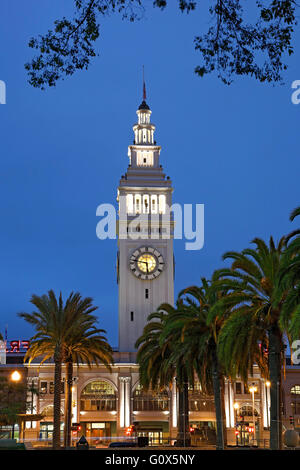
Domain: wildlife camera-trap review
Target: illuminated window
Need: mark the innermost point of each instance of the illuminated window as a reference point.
(150, 400)
(137, 201)
(146, 204)
(295, 390)
(198, 401)
(98, 396)
(247, 410)
(295, 396)
(43, 387)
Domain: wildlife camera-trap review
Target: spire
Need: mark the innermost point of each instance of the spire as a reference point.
(144, 104)
(144, 86)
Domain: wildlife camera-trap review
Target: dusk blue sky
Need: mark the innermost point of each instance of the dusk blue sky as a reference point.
(234, 149)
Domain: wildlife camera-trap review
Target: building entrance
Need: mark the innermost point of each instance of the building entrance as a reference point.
(155, 437)
(99, 433)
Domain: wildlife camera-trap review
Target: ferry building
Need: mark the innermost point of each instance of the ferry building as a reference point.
(105, 404)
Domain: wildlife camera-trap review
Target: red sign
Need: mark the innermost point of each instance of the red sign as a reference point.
(17, 346)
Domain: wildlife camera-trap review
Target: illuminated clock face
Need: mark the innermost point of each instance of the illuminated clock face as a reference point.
(146, 263)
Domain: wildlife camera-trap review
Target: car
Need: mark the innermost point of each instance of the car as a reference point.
(123, 444)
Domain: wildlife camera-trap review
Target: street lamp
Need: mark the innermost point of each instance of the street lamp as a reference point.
(15, 376)
(236, 407)
(252, 390)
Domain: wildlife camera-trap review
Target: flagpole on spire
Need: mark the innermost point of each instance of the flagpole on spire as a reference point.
(144, 86)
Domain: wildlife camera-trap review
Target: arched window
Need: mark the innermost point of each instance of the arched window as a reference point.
(146, 204)
(150, 400)
(48, 411)
(295, 390)
(98, 396)
(295, 399)
(198, 401)
(137, 201)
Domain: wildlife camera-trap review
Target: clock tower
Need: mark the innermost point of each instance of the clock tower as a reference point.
(145, 263)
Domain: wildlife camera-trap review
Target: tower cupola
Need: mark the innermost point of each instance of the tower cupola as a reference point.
(144, 129)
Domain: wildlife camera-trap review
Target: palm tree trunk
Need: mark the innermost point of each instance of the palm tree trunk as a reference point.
(183, 437)
(57, 399)
(275, 342)
(68, 404)
(219, 401)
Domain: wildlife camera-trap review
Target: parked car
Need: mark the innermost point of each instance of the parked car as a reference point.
(123, 444)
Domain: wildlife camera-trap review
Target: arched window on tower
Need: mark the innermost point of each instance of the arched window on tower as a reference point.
(137, 201)
(146, 204)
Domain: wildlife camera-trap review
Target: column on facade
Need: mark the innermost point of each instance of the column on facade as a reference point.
(127, 401)
(124, 401)
(121, 402)
(268, 405)
(74, 409)
(228, 399)
(231, 409)
(265, 404)
(227, 407)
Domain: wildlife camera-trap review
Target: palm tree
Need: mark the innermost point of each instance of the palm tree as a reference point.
(257, 292)
(56, 324)
(87, 345)
(295, 213)
(198, 344)
(290, 316)
(158, 365)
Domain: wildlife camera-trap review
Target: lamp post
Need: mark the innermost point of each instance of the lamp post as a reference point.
(236, 407)
(14, 377)
(252, 390)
